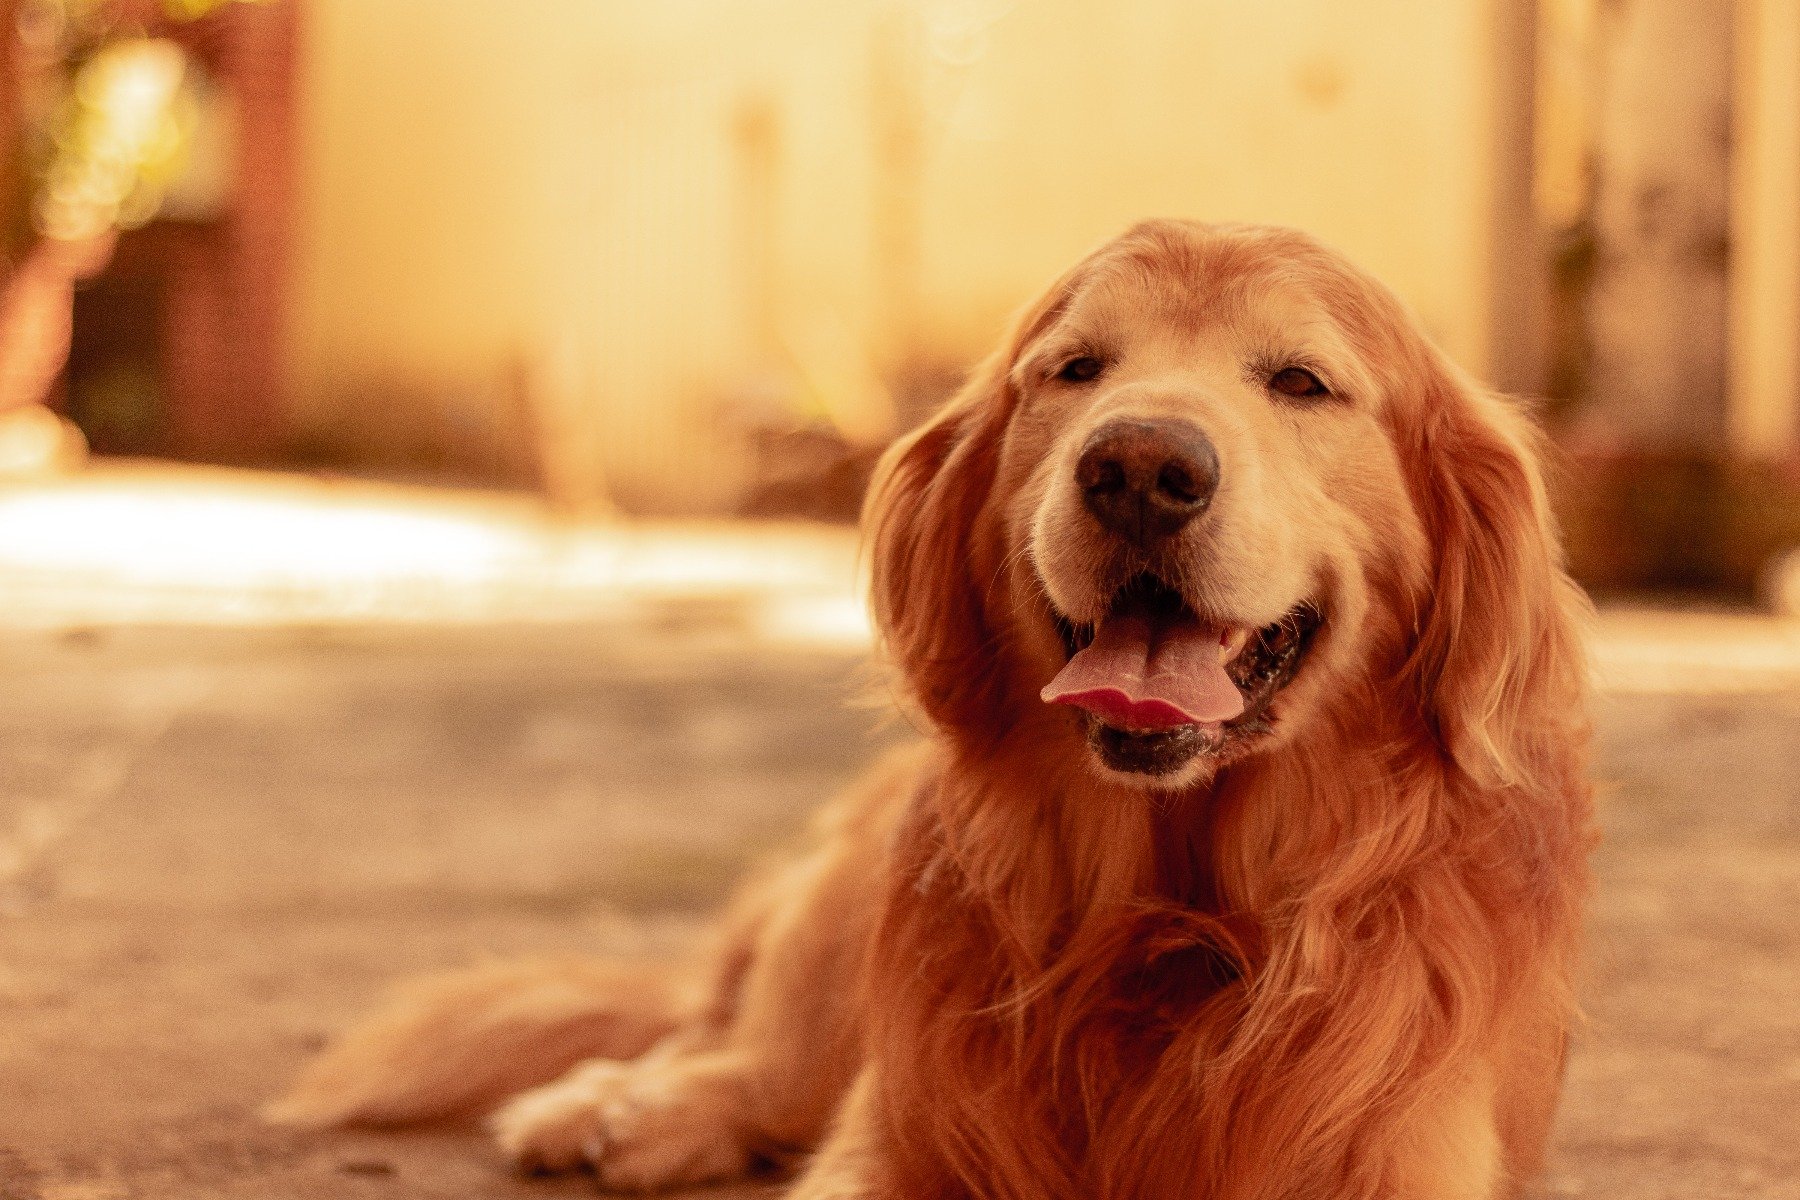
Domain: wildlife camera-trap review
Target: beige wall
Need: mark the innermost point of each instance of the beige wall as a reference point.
(1364, 123)
(563, 192)
(1765, 230)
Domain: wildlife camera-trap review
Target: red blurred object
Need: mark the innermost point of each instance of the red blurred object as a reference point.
(35, 308)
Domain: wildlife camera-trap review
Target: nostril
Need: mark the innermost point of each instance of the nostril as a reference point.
(1100, 475)
(1178, 484)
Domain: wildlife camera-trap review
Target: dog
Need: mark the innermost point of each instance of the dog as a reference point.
(1247, 856)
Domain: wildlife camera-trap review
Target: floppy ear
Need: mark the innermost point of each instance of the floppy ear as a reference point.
(922, 518)
(932, 553)
(1498, 661)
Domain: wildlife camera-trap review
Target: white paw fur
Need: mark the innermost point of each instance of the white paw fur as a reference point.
(640, 1126)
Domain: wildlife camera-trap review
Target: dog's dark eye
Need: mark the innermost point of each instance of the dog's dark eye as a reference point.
(1298, 383)
(1080, 370)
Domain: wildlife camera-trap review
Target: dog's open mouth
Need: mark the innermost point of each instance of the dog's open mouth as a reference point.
(1157, 684)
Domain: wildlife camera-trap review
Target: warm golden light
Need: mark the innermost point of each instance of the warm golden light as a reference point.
(1657, 651)
(432, 440)
(125, 544)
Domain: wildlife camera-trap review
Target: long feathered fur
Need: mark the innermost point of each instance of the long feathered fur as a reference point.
(1239, 990)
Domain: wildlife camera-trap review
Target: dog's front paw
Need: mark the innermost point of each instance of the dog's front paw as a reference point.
(640, 1126)
(559, 1126)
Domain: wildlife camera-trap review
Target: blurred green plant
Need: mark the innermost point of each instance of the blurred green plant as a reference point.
(119, 140)
(114, 137)
(193, 10)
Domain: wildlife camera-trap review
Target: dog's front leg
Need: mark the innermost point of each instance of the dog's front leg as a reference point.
(849, 1164)
(761, 1074)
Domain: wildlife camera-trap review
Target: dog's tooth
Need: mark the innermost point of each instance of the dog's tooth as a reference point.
(1232, 641)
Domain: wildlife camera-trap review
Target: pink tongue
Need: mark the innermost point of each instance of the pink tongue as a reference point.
(1144, 673)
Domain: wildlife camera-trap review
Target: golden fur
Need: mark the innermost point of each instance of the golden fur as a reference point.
(1330, 960)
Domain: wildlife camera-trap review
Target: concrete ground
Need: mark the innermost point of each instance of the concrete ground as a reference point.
(218, 842)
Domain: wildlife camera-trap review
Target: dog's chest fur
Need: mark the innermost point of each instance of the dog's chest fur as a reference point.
(1043, 1023)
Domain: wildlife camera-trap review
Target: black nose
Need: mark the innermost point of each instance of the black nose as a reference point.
(1146, 478)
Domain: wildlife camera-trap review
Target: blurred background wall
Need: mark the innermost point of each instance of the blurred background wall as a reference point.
(674, 224)
(708, 256)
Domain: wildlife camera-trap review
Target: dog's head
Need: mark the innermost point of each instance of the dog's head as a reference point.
(1217, 489)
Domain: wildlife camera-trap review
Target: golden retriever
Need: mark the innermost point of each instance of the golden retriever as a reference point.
(1247, 858)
